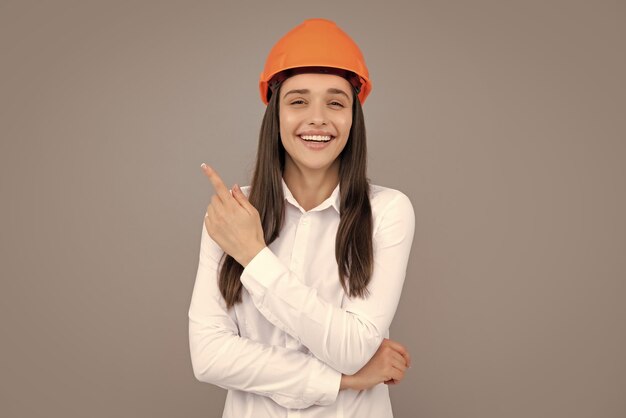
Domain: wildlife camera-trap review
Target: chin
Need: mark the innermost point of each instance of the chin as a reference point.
(315, 165)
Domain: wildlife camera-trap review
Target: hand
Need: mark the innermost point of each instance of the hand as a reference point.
(232, 222)
(386, 366)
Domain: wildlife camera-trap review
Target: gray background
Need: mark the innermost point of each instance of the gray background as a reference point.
(503, 121)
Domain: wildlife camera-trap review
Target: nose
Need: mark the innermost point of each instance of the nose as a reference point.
(317, 114)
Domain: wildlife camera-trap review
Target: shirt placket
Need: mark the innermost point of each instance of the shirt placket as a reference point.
(296, 264)
(299, 246)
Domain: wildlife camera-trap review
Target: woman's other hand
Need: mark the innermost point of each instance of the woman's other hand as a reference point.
(388, 366)
(232, 222)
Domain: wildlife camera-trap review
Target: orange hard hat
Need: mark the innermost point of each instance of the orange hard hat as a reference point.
(316, 45)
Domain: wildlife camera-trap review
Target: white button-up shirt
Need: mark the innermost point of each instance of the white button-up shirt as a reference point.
(281, 352)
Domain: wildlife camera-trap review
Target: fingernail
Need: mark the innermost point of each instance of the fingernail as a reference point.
(203, 165)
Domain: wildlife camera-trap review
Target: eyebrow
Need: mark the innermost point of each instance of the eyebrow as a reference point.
(307, 91)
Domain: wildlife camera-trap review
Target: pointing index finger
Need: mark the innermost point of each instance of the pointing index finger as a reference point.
(219, 186)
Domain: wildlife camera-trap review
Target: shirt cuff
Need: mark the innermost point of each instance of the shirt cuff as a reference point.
(262, 270)
(323, 386)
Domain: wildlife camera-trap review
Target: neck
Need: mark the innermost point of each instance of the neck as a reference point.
(311, 187)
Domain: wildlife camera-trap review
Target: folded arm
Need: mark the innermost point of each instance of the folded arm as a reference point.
(343, 337)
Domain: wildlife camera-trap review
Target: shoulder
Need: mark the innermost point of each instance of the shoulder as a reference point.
(391, 206)
(383, 198)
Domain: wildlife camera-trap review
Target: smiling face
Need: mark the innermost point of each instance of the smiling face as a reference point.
(315, 113)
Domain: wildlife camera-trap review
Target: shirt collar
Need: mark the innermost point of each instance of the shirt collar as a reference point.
(333, 200)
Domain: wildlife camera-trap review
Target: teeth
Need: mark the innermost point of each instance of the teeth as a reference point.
(316, 138)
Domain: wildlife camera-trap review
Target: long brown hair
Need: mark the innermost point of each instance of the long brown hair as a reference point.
(353, 244)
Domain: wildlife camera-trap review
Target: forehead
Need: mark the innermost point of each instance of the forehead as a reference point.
(316, 82)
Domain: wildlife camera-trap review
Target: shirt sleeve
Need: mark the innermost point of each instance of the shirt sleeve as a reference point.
(343, 337)
(220, 356)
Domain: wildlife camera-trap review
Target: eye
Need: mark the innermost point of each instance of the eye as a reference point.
(296, 101)
(337, 103)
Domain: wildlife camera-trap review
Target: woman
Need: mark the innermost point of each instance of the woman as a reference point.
(300, 273)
